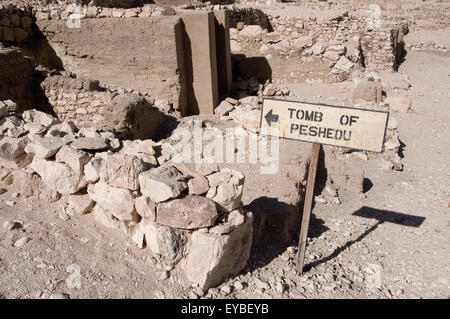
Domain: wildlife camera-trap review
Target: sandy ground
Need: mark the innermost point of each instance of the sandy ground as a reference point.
(406, 245)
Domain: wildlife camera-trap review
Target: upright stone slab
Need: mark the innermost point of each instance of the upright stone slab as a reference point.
(223, 52)
(200, 62)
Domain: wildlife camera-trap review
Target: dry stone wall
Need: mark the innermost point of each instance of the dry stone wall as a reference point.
(192, 218)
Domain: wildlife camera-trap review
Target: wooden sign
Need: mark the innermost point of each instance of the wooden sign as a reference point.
(325, 124)
(322, 124)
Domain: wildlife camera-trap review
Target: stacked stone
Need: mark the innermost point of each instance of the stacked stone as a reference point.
(192, 218)
(76, 99)
(16, 24)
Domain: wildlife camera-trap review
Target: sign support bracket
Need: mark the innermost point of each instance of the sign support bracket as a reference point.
(312, 171)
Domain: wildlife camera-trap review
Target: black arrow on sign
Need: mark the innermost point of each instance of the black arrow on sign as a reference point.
(271, 118)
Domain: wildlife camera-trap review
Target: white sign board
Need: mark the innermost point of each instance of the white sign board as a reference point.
(325, 124)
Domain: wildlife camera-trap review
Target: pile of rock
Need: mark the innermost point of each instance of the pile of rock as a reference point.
(192, 218)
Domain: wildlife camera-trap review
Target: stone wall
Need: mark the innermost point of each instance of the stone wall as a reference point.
(192, 218)
(82, 101)
(16, 24)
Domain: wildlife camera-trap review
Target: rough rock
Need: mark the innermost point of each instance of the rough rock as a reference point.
(224, 108)
(117, 201)
(45, 147)
(123, 170)
(79, 205)
(211, 257)
(248, 118)
(108, 219)
(191, 212)
(38, 117)
(92, 170)
(162, 240)
(399, 103)
(251, 31)
(130, 115)
(12, 152)
(162, 183)
(146, 208)
(198, 185)
(364, 89)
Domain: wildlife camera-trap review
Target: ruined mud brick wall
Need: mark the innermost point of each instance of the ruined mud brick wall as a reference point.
(75, 99)
(82, 101)
(380, 48)
(141, 54)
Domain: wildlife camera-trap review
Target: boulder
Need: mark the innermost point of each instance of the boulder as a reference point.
(190, 212)
(118, 201)
(92, 170)
(144, 150)
(251, 31)
(131, 116)
(31, 184)
(212, 257)
(228, 185)
(342, 65)
(58, 176)
(162, 183)
(108, 219)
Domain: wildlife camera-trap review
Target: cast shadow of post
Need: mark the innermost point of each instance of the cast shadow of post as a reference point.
(381, 216)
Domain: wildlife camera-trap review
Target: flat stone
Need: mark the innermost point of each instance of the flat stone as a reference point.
(89, 143)
(190, 212)
(45, 147)
(198, 185)
(38, 117)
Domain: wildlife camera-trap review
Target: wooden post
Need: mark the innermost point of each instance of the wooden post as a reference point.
(307, 206)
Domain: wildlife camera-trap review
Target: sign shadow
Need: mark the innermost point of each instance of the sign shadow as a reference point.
(381, 216)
